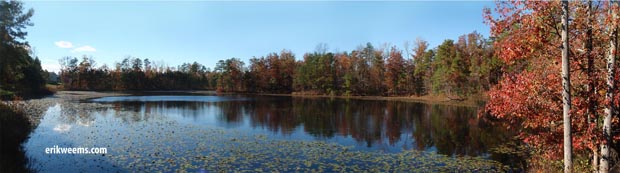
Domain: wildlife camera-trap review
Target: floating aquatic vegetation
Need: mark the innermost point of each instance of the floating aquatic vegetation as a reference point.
(141, 142)
(222, 150)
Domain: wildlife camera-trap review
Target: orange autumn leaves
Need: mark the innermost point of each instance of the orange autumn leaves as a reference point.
(529, 95)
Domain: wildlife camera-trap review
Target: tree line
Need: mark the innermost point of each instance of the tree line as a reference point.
(454, 68)
(132, 74)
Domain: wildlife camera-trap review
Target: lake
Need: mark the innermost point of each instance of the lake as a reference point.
(201, 133)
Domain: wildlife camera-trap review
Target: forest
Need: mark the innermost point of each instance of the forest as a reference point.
(454, 68)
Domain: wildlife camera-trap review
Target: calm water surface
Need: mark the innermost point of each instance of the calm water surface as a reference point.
(142, 127)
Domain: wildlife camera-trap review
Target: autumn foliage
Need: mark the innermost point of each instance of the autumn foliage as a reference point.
(528, 97)
(457, 69)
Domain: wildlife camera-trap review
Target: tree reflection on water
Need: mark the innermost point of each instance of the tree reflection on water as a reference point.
(448, 130)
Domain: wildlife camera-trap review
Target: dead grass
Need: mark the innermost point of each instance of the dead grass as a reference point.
(472, 101)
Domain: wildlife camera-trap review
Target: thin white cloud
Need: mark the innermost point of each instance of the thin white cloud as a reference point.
(64, 44)
(84, 49)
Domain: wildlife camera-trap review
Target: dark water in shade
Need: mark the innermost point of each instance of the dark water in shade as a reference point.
(366, 125)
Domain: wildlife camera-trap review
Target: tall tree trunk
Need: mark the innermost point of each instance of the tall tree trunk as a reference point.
(568, 149)
(591, 113)
(609, 95)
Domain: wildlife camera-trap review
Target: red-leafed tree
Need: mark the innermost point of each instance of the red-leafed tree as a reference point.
(527, 37)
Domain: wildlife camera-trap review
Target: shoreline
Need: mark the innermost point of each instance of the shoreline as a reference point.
(472, 101)
(428, 99)
(34, 109)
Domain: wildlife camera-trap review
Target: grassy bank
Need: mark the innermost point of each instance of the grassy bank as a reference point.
(40, 93)
(471, 101)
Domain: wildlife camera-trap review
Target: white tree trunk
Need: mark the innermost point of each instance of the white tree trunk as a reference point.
(609, 95)
(568, 149)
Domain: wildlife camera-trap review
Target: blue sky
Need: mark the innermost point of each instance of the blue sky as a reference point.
(175, 32)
